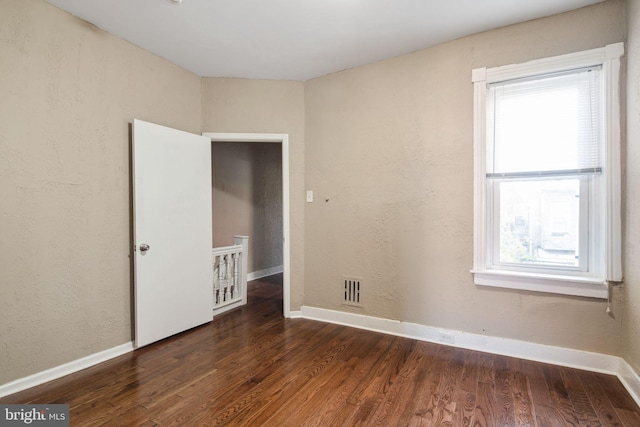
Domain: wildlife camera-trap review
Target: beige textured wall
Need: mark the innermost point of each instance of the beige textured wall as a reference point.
(631, 325)
(68, 93)
(247, 199)
(266, 106)
(390, 146)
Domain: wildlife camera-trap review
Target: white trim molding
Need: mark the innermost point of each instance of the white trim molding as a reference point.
(630, 379)
(281, 138)
(227, 308)
(605, 241)
(264, 273)
(553, 64)
(572, 358)
(296, 314)
(579, 286)
(65, 369)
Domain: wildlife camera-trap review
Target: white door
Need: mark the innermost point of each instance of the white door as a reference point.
(172, 231)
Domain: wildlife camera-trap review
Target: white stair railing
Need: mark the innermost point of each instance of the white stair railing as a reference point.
(230, 275)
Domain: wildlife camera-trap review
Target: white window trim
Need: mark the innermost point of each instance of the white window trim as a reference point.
(596, 287)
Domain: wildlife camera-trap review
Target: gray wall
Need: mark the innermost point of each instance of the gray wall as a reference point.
(247, 199)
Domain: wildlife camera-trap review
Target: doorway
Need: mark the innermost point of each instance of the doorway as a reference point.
(283, 141)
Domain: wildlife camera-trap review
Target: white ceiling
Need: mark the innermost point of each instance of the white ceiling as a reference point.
(299, 39)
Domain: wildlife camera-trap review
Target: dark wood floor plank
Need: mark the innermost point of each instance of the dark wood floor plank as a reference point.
(616, 392)
(294, 403)
(505, 412)
(579, 399)
(538, 388)
(547, 416)
(368, 395)
(351, 393)
(410, 400)
(522, 401)
(241, 366)
(559, 396)
(421, 408)
(340, 388)
(484, 413)
(261, 406)
(323, 402)
(599, 400)
(447, 404)
(628, 418)
(251, 366)
(487, 369)
(369, 399)
(235, 392)
(465, 394)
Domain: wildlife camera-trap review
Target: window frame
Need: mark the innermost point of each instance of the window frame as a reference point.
(605, 248)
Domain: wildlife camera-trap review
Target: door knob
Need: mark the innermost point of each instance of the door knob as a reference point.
(144, 247)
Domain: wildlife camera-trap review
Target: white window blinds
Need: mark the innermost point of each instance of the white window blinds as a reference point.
(545, 126)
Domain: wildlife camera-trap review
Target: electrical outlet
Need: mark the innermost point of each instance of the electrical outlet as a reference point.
(447, 338)
(309, 196)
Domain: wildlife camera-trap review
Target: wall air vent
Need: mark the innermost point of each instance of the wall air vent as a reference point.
(352, 289)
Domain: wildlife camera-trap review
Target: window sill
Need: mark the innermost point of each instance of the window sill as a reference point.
(565, 285)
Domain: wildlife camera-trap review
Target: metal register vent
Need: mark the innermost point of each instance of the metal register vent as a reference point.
(352, 291)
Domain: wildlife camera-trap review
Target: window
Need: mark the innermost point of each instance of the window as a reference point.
(547, 174)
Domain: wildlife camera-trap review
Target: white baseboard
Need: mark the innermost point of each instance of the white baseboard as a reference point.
(218, 312)
(65, 369)
(630, 379)
(579, 359)
(597, 362)
(295, 314)
(264, 273)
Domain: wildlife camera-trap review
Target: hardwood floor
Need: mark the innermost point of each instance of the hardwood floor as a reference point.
(251, 367)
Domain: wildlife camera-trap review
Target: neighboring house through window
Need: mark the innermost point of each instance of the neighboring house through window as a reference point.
(547, 174)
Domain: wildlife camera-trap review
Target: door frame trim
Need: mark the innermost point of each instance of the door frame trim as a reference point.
(283, 139)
